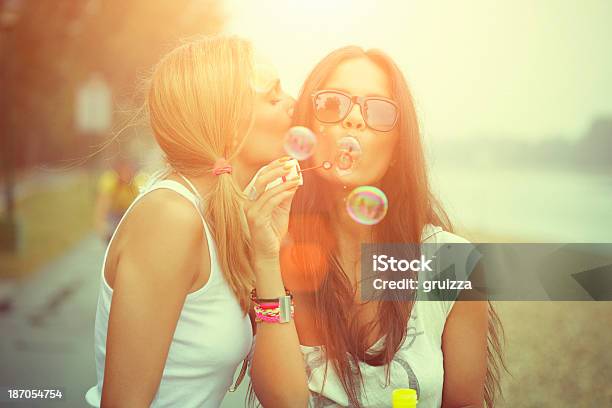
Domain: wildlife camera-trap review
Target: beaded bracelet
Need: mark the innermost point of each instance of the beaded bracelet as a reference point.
(269, 312)
(279, 310)
(271, 317)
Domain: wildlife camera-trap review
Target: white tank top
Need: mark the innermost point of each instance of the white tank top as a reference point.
(211, 339)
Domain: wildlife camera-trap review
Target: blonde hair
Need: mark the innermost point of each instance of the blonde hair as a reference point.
(200, 104)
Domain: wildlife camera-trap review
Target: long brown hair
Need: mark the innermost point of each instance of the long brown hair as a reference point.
(411, 206)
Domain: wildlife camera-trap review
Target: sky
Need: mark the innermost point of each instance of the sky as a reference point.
(477, 68)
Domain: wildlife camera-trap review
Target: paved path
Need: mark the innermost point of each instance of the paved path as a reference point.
(47, 333)
(40, 180)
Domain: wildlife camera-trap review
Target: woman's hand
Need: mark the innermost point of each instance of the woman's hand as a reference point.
(268, 213)
(278, 374)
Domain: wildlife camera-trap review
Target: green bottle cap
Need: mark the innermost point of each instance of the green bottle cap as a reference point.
(404, 398)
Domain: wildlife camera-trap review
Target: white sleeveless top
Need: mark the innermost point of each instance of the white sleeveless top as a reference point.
(418, 364)
(211, 339)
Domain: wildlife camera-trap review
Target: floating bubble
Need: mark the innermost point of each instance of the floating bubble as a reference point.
(350, 145)
(327, 165)
(367, 205)
(344, 160)
(300, 142)
(348, 155)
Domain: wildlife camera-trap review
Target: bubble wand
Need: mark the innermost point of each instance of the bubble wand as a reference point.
(327, 165)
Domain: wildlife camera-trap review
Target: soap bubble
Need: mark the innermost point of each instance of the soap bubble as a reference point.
(367, 205)
(344, 160)
(300, 142)
(348, 155)
(327, 165)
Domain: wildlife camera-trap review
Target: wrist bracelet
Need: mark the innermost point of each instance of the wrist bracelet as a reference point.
(285, 306)
(279, 310)
(273, 316)
(254, 297)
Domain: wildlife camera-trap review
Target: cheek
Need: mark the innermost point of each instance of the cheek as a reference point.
(380, 154)
(383, 146)
(272, 121)
(326, 142)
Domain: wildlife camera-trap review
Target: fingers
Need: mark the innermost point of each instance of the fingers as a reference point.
(267, 195)
(275, 201)
(265, 179)
(273, 171)
(275, 164)
(290, 184)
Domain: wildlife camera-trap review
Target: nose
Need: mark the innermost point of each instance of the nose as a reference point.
(354, 120)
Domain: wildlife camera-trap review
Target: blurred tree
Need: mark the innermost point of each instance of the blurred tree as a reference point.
(595, 148)
(57, 44)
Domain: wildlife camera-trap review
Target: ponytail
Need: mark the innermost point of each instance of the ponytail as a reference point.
(225, 212)
(200, 104)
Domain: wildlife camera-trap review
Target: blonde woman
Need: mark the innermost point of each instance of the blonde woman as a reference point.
(172, 321)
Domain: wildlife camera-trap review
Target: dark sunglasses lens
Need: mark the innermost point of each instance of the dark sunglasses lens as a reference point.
(331, 107)
(380, 115)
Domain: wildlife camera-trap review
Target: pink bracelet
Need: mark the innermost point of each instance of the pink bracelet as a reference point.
(271, 310)
(279, 310)
(259, 317)
(267, 305)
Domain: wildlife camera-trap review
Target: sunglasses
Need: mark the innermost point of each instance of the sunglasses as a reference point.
(379, 113)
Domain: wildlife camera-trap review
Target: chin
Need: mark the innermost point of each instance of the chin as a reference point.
(350, 180)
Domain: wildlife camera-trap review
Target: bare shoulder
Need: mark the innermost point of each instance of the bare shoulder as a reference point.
(163, 237)
(164, 220)
(163, 209)
(435, 234)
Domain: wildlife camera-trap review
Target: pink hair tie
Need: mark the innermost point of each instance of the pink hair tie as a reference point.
(222, 166)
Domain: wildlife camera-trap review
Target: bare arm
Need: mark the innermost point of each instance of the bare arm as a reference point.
(156, 268)
(464, 344)
(277, 372)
